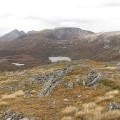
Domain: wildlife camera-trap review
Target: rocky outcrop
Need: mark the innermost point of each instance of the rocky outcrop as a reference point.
(93, 78)
(53, 80)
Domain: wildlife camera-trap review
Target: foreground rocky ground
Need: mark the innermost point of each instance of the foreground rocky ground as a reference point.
(78, 90)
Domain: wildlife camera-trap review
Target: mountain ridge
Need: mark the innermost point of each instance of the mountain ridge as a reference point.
(14, 34)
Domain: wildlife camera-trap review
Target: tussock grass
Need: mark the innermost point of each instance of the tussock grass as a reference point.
(11, 96)
(90, 106)
(70, 110)
(91, 111)
(67, 118)
(108, 96)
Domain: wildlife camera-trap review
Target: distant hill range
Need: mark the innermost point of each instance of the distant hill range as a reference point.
(12, 35)
(35, 47)
(66, 33)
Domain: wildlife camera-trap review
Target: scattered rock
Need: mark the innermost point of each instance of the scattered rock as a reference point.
(107, 46)
(27, 94)
(92, 79)
(69, 84)
(113, 106)
(78, 81)
(53, 80)
(118, 67)
(46, 76)
(11, 115)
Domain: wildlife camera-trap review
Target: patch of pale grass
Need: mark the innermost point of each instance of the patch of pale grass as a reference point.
(103, 98)
(111, 115)
(109, 95)
(19, 93)
(6, 96)
(14, 95)
(108, 68)
(90, 111)
(7, 81)
(67, 118)
(70, 110)
(88, 106)
(3, 103)
(33, 91)
(114, 92)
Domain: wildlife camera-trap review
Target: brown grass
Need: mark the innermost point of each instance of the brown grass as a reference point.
(70, 110)
(91, 111)
(63, 103)
(11, 96)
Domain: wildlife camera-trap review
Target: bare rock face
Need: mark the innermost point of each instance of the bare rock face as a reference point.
(93, 78)
(53, 80)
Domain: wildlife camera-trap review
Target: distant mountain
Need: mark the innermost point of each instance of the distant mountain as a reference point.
(36, 48)
(32, 32)
(65, 33)
(12, 35)
(70, 33)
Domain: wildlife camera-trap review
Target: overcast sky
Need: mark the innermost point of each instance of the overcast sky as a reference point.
(95, 15)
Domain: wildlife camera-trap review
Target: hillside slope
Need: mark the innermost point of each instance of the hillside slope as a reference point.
(35, 48)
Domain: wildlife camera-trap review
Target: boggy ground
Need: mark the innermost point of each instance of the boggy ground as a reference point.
(76, 103)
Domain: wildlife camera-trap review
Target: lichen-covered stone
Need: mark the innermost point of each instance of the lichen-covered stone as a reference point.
(93, 78)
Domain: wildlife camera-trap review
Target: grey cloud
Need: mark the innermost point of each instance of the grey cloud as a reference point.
(112, 4)
(56, 21)
(78, 21)
(59, 22)
(5, 16)
(32, 17)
